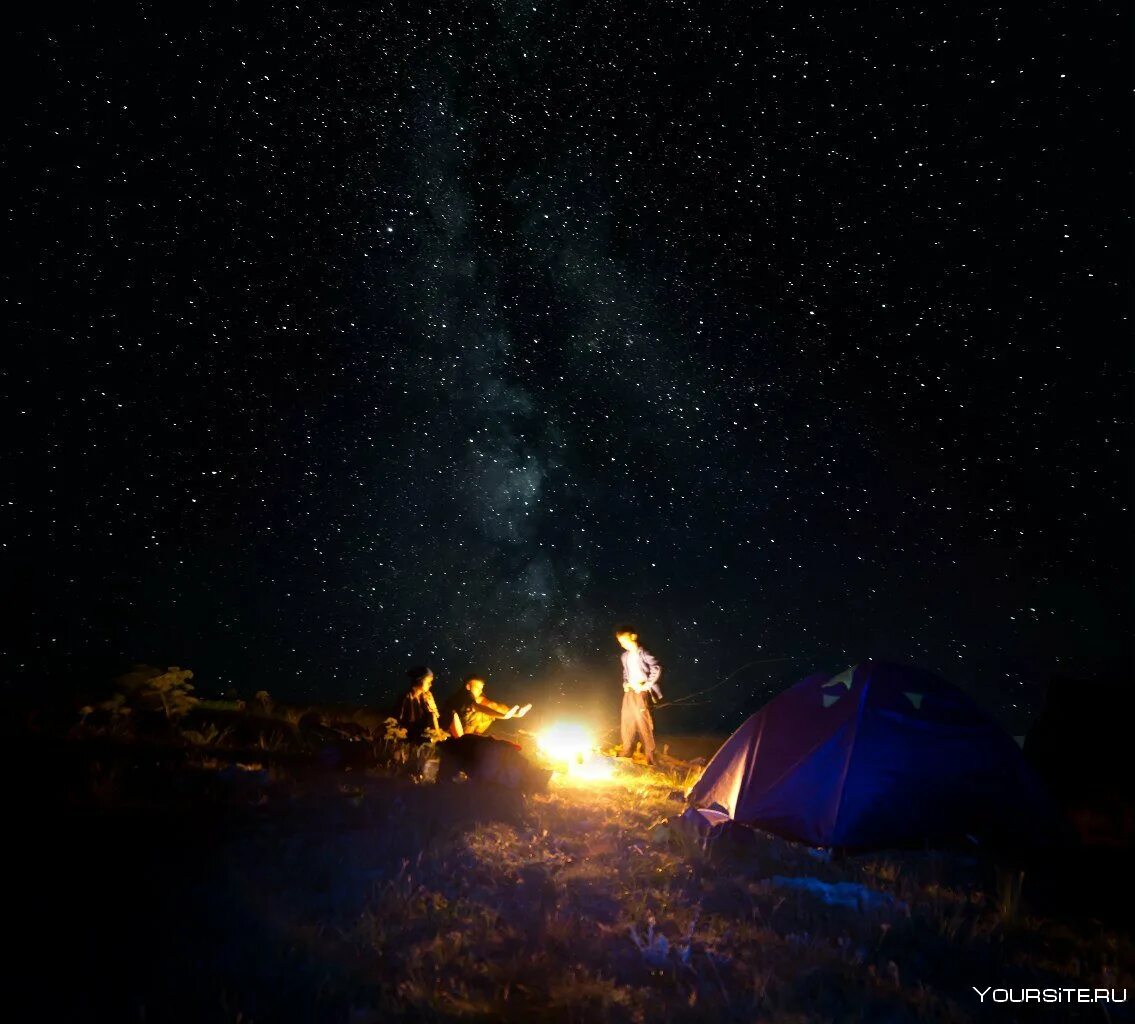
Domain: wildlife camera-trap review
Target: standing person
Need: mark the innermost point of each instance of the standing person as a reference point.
(641, 673)
(417, 713)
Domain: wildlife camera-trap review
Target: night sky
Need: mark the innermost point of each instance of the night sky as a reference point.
(340, 341)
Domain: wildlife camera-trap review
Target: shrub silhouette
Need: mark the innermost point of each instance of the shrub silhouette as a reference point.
(170, 689)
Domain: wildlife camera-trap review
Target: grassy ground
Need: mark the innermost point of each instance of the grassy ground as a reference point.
(150, 889)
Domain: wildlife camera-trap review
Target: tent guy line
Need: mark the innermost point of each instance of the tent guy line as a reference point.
(688, 699)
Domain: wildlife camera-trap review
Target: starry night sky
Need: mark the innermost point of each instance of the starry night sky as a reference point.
(348, 341)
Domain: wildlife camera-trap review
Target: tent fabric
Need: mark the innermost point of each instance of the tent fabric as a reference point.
(880, 755)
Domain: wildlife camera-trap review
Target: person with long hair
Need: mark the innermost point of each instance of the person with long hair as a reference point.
(417, 712)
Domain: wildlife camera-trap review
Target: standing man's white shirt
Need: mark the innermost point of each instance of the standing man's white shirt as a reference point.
(632, 663)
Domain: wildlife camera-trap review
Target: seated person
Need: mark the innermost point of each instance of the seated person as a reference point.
(470, 712)
(417, 713)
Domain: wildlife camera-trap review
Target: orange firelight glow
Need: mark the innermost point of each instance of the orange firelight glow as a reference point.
(573, 747)
(566, 741)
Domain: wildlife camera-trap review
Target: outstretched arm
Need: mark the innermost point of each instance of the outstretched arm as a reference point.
(495, 710)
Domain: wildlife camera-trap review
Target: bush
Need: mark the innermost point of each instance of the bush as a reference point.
(149, 687)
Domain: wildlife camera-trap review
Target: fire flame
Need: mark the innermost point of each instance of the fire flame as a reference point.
(566, 741)
(573, 746)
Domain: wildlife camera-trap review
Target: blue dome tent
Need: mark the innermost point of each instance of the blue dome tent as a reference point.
(880, 755)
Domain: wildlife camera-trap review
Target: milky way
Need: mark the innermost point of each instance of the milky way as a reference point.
(350, 341)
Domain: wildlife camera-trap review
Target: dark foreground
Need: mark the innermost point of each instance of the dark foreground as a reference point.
(147, 890)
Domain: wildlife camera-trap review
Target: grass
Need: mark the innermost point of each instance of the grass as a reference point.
(241, 889)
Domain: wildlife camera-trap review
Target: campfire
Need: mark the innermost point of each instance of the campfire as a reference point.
(573, 748)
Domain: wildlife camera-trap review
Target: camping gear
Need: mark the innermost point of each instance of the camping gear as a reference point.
(485, 759)
(880, 755)
(853, 895)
